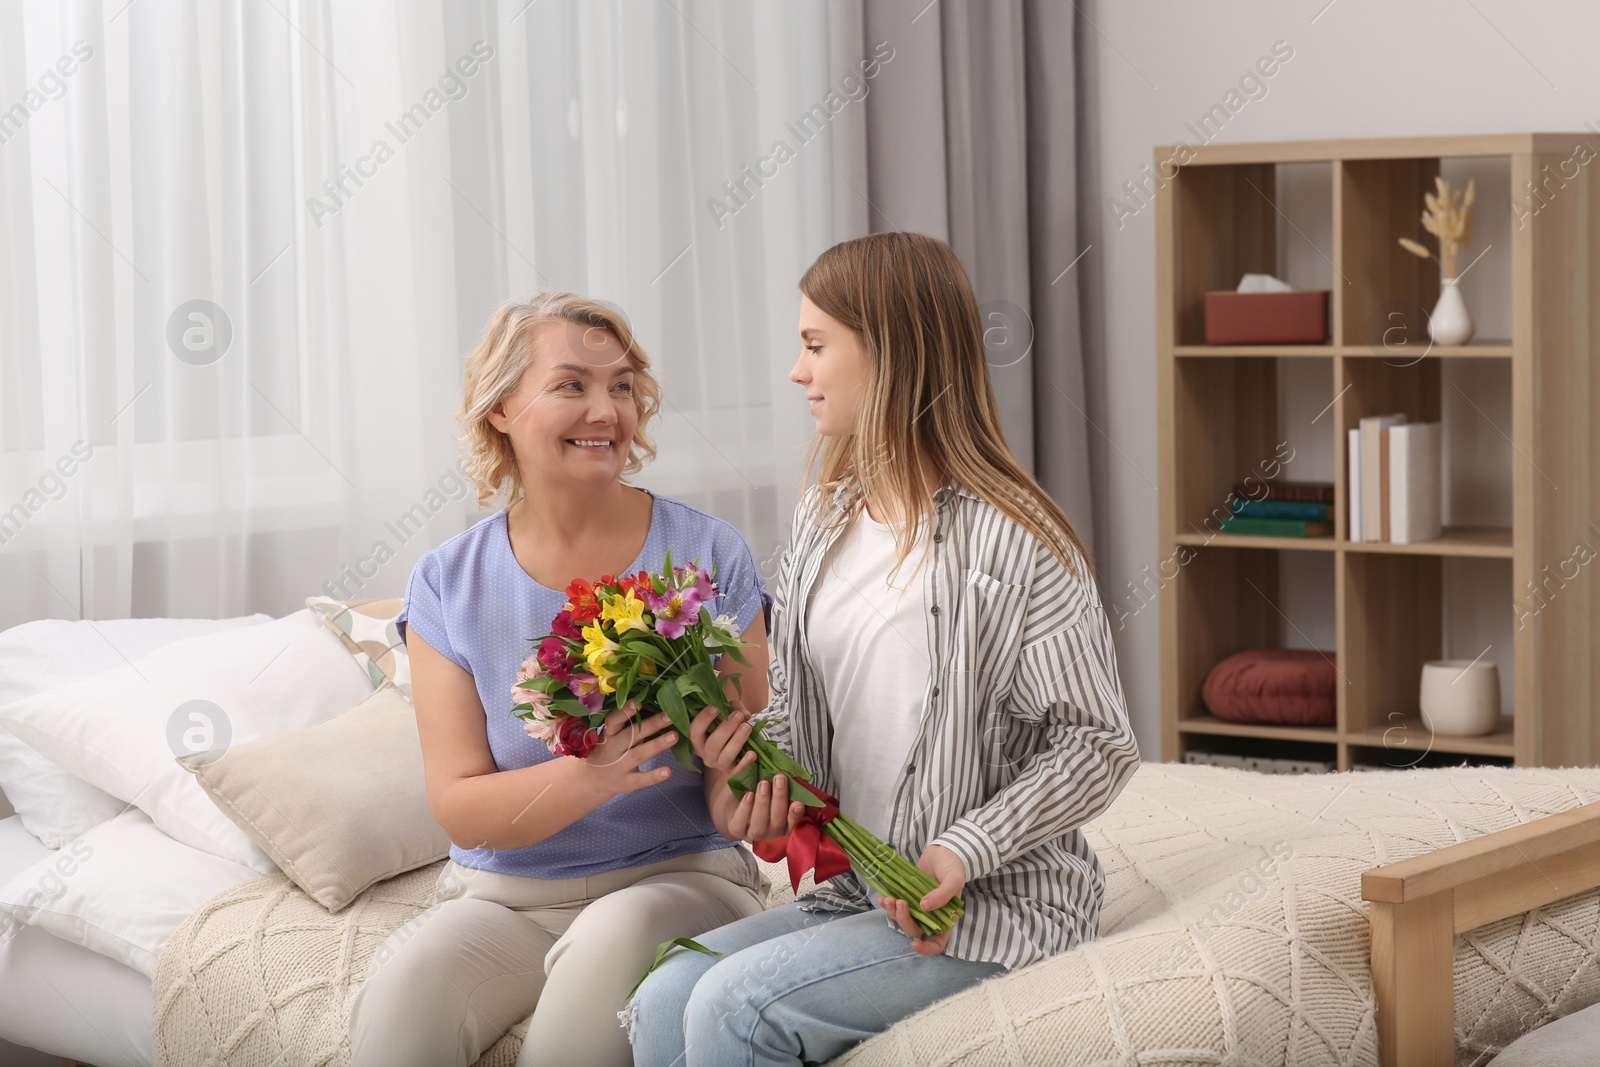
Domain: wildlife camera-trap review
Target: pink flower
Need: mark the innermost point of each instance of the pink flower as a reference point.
(543, 730)
(586, 687)
(555, 657)
(678, 609)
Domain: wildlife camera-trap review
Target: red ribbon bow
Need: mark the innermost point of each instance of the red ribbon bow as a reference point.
(806, 846)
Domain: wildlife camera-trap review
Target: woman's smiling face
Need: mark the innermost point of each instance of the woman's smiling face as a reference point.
(572, 414)
(833, 369)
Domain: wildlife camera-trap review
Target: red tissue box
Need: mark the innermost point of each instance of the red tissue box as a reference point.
(1295, 318)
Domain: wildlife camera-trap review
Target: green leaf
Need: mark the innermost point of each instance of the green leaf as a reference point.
(706, 678)
(683, 752)
(648, 648)
(672, 703)
(569, 706)
(738, 656)
(745, 780)
(661, 953)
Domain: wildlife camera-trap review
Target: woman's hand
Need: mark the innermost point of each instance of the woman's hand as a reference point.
(945, 867)
(766, 812)
(615, 761)
(719, 750)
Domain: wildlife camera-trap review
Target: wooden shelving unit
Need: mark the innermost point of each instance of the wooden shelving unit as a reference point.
(1216, 220)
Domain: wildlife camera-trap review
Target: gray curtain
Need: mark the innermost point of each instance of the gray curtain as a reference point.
(969, 133)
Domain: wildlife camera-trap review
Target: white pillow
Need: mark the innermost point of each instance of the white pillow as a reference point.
(122, 730)
(56, 806)
(121, 889)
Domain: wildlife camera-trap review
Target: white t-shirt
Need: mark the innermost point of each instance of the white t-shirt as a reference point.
(868, 644)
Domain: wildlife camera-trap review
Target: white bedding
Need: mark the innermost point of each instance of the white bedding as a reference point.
(62, 998)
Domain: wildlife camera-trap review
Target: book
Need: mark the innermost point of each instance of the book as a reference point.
(1236, 524)
(1353, 493)
(1414, 482)
(1316, 492)
(1372, 428)
(1383, 485)
(1282, 509)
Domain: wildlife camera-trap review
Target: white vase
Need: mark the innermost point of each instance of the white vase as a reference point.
(1460, 698)
(1450, 323)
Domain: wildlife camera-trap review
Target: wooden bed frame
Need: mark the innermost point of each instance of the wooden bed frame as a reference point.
(1419, 905)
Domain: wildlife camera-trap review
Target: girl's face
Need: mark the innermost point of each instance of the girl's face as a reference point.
(572, 414)
(833, 369)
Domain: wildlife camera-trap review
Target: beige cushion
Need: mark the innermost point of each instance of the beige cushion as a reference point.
(338, 806)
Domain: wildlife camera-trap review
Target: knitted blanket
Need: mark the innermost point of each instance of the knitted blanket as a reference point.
(261, 975)
(1233, 930)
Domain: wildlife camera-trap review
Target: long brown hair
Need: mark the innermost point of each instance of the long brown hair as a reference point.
(928, 413)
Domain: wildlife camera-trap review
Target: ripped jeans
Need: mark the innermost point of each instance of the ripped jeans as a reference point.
(792, 987)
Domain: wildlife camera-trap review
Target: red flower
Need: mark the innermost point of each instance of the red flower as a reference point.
(585, 605)
(563, 625)
(575, 738)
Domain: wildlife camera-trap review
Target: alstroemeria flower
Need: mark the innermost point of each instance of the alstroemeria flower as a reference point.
(676, 610)
(598, 648)
(583, 601)
(555, 657)
(586, 687)
(625, 612)
(545, 731)
(564, 625)
(703, 589)
(722, 632)
(576, 738)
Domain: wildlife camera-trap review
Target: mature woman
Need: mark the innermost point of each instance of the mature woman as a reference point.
(564, 873)
(941, 662)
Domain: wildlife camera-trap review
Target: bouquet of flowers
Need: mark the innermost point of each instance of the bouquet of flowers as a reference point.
(644, 637)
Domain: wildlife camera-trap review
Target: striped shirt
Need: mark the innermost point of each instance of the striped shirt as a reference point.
(1025, 739)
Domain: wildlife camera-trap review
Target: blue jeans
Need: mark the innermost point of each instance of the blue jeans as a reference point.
(791, 987)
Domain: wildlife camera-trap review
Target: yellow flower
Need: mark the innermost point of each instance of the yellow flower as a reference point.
(626, 611)
(598, 649)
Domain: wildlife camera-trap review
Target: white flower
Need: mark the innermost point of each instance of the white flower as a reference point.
(722, 632)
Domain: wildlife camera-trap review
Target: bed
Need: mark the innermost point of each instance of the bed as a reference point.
(63, 998)
(1442, 862)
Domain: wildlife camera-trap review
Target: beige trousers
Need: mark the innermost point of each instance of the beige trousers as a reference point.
(495, 947)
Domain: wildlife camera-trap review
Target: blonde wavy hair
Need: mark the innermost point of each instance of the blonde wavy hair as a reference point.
(928, 410)
(497, 364)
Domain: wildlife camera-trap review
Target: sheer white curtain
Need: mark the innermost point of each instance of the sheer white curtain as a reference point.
(244, 248)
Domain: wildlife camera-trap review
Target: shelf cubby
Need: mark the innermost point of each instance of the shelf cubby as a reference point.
(1519, 406)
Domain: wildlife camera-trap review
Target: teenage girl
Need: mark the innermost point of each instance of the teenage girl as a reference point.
(940, 661)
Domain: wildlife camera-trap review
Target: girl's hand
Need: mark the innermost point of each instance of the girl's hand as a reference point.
(766, 812)
(720, 750)
(951, 873)
(624, 747)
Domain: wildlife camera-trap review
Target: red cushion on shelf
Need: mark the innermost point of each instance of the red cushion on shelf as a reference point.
(1282, 685)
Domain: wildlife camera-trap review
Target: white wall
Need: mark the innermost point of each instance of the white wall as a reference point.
(1359, 68)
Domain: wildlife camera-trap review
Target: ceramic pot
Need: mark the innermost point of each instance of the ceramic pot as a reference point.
(1460, 698)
